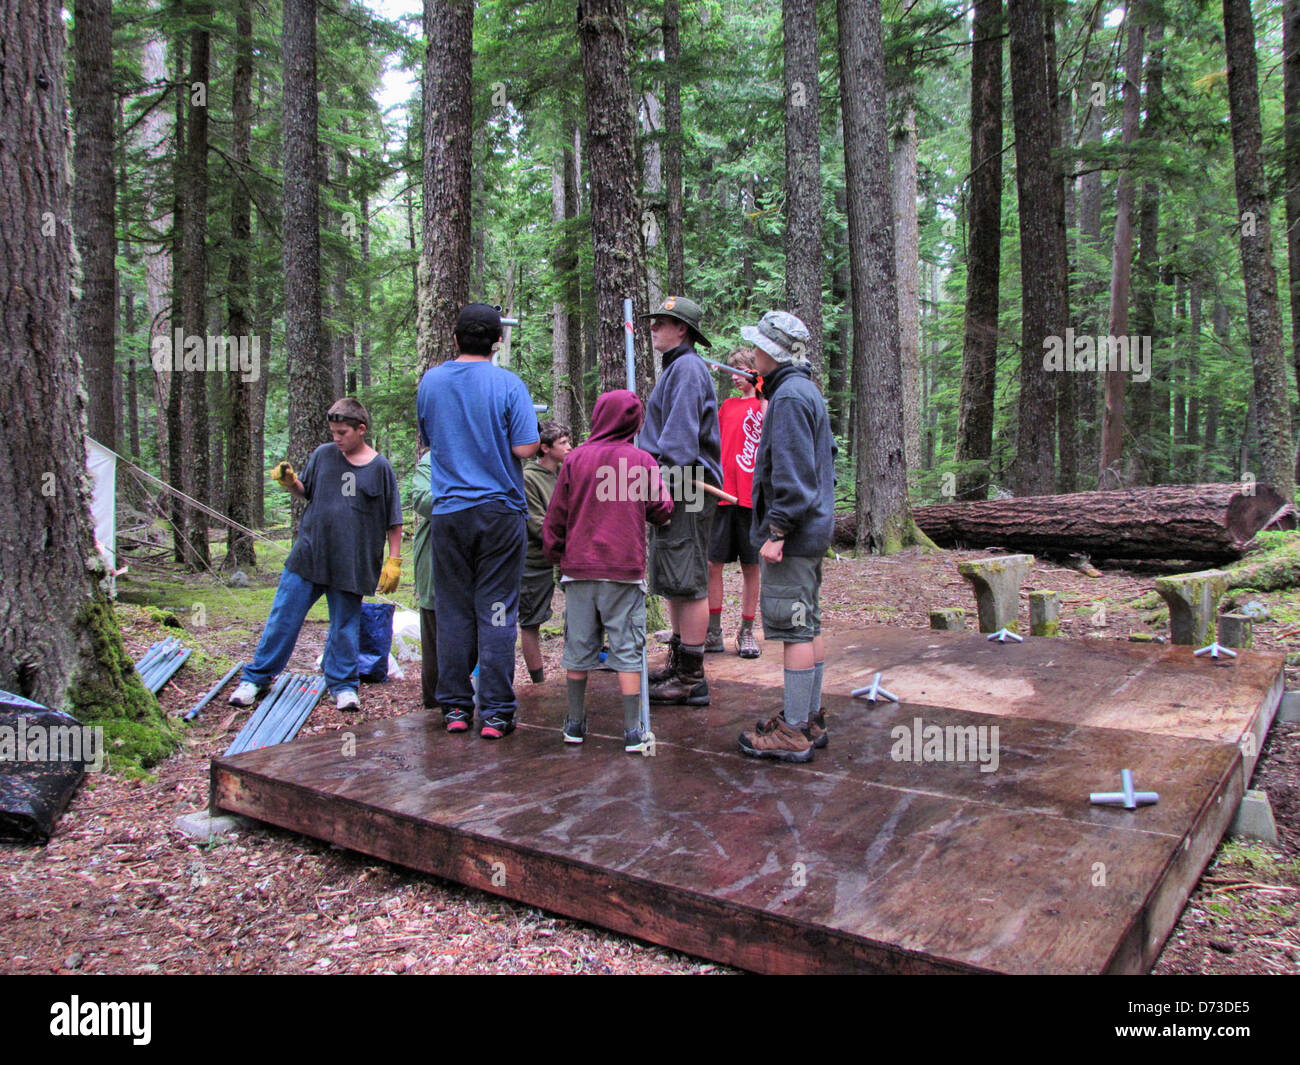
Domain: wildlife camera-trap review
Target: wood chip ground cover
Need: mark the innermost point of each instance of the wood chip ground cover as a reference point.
(119, 889)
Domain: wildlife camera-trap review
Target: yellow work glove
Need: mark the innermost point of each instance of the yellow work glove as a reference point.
(391, 575)
(284, 476)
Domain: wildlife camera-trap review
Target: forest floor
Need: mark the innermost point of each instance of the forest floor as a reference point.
(118, 889)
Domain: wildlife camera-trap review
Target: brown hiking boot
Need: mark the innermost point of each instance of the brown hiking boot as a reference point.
(669, 669)
(776, 739)
(815, 730)
(687, 687)
(746, 645)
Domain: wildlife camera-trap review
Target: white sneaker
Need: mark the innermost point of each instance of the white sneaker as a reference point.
(347, 700)
(244, 695)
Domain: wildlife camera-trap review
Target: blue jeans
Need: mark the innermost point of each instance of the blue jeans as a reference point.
(478, 562)
(293, 598)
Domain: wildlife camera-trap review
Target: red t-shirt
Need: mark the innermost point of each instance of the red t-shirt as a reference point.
(740, 422)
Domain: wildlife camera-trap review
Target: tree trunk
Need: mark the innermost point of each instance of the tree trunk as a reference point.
(1066, 443)
(194, 383)
(614, 207)
(838, 359)
(1272, 407)
(907, 262)
(1089, 295)
(94, 210)
(132, 382)
(1112, 432)
(363, 323)
(175, 421)
(309, 370)
(1149, 460)
(747, 243)
(573, 284)
(803, 175)
(59, 640)
(561, 395)
(153, 138)
(652, 183)
(239, 442)
(882, 519)
(1043, 306)
(983, 256)
(1202, 522)
(1291, 153)
(673, 147)
(448, 131)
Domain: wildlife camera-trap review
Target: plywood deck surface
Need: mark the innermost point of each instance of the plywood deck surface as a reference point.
(856, 861)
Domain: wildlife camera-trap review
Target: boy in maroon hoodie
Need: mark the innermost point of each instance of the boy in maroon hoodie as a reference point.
(595, 532)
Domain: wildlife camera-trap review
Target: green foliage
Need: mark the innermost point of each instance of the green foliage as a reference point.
(528, 102)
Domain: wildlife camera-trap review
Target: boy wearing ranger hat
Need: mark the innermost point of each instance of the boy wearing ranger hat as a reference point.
(681, 432)
(794, 512)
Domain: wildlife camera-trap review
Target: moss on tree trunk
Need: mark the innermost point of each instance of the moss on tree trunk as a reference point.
(108, 692)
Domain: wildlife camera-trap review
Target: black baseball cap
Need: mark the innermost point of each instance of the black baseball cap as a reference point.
(476, 317)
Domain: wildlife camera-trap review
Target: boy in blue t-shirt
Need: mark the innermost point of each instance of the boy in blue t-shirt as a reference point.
(479, 423)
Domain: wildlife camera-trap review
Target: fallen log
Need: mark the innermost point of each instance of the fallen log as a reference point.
(1201, 522)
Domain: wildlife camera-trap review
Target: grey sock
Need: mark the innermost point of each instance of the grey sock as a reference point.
(693, 648)
(798, 692)
(815, 703)
(577, 690)
(631, 712)
(715, 624)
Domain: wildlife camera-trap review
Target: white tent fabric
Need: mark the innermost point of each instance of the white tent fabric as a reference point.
(102, 465)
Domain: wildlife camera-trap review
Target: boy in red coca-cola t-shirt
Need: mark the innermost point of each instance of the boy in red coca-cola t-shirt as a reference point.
(740, 421)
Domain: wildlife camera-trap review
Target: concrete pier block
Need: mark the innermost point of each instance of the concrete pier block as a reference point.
(204, 824)
(1236, 630)
(1044, 614)
(997, 589)
(1255, 818)
(1193, 600)
(950, 619)
(1289, 711)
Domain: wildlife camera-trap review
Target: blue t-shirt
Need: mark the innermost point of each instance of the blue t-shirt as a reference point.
(471, 414)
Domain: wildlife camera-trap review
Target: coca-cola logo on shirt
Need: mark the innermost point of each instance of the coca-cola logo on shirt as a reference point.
(752, 427)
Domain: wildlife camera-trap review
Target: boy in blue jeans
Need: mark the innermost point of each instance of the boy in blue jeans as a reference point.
(353, 505)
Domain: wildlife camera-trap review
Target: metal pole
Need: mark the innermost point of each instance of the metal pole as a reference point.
(257, 738)
(748, 375)
(629, 347)
(193, 712)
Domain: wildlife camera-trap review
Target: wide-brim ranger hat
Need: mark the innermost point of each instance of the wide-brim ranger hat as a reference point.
(782, 336)
(685, 311)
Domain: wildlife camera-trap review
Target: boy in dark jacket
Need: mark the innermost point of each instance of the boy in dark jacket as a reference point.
(538, 585)
(595, 532)
(794, 517)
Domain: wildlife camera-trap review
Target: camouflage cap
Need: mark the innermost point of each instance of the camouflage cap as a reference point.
(686, 311)
(782, 336)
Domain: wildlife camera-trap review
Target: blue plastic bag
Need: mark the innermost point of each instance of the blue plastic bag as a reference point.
(376, 641)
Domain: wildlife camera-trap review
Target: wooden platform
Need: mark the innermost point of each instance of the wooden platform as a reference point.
(857, 861)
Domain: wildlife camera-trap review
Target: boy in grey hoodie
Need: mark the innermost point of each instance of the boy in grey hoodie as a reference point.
(794, 518)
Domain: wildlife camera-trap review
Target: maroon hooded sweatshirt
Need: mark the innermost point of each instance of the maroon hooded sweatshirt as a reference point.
(606, 492)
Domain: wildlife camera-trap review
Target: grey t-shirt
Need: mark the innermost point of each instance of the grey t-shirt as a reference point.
(345, 527)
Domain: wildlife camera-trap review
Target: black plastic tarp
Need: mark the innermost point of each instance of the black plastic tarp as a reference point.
(43, 756)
